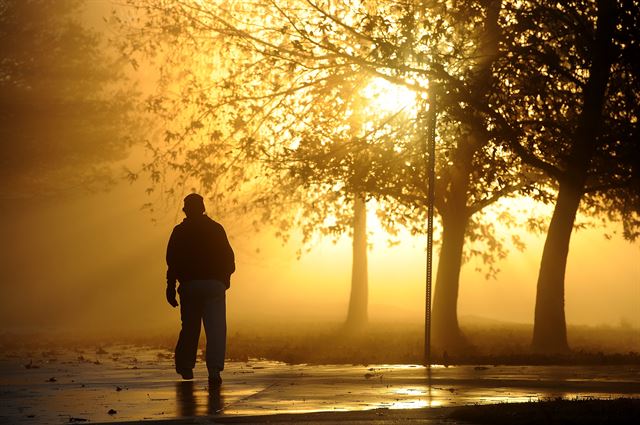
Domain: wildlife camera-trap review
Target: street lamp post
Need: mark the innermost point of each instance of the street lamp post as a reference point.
(431, 180)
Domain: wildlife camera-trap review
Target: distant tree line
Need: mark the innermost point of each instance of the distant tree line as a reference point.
(67, 106)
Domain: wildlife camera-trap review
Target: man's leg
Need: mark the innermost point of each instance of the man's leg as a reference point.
(191, 316)
(215, 325)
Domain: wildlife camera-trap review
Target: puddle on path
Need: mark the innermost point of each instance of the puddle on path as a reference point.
(124, 383)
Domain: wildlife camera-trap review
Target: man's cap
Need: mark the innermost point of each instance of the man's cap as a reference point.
(194, 202)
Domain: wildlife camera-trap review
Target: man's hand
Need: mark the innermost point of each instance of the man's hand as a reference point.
(171, 296)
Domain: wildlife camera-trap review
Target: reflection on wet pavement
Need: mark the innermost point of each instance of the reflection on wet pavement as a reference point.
(190, 402)
(131, 383)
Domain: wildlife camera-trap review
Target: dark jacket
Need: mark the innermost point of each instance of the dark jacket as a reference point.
(199, 249)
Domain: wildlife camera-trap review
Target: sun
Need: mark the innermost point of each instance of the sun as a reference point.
(387, 96)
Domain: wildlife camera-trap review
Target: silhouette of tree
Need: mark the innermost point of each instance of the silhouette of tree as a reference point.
(338, 159)
(280, 80)
(571, 104)
(64, 109)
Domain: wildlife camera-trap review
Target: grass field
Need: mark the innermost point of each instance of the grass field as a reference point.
(381, 343)
(395, 343)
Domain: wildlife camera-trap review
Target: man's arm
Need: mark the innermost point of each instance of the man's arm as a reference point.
(227, 259)
(172, 278)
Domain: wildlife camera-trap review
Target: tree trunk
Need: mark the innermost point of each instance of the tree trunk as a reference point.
(357, 314)
(446, 335)
(549, 330)
(445, 331)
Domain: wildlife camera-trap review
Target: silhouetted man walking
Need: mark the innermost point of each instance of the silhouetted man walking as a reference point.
(200, 258)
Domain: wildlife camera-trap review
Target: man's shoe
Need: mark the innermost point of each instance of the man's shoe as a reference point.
(186, 373)
(215, 380)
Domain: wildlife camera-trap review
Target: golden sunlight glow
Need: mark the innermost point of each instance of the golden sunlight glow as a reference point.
(387, 96)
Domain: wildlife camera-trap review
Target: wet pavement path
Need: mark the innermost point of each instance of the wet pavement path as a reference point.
(127, 383)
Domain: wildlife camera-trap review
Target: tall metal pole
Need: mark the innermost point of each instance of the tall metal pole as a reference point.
(431, 180)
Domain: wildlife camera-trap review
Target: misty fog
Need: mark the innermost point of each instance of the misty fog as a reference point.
(85, 258)
(95, 261)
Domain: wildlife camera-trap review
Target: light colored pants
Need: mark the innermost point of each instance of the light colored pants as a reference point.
(202, 301)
